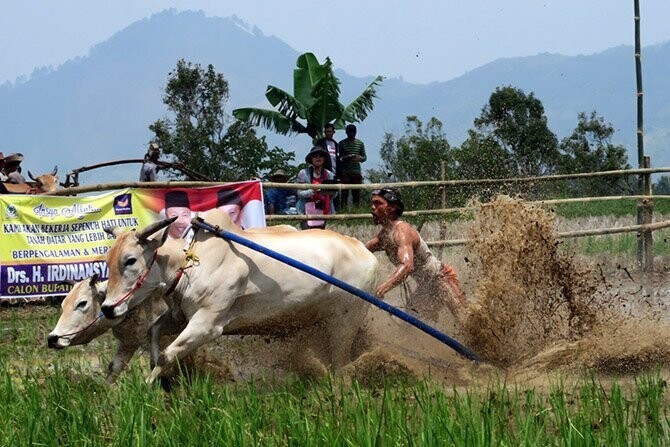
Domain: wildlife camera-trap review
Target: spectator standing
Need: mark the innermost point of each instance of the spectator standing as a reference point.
(315, 201)
(352, 154)
(150, 166)
(329, 144)
(276, 199)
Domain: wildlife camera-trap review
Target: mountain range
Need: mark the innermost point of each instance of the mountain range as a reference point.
(97, 107)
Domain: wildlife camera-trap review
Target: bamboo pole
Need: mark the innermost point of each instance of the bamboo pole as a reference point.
(338, 187)
(458, 211)
(641, 249)
(572, 234)
(647, 218)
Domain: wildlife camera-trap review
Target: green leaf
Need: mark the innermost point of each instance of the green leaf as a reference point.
(359, 108)
(285, 103)
(305, 76)
(270, 119)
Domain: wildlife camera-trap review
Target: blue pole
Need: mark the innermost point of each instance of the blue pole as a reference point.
(453, 344)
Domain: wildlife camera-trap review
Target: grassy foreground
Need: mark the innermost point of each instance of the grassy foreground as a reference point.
(61, 407)
(56, 399)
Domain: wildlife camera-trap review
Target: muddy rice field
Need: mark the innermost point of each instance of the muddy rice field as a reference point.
(536, 309)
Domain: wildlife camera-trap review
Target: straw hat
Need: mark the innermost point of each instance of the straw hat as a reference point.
(14, 158)
(279, 176)
(316, 150)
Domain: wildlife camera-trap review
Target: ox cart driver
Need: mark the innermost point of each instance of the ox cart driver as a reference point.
(437, 283)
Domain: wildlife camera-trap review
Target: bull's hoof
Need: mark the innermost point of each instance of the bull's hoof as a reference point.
(166, 384)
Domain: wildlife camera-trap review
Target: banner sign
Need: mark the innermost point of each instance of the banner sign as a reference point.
(46, 240)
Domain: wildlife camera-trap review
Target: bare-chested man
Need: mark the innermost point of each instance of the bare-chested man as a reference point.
(437, 283)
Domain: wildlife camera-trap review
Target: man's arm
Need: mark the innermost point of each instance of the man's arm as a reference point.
(374, 244)
(405, 255)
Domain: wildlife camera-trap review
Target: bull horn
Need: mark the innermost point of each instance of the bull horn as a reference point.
(55, 170)
(93, 280)
(147, 231)
(31, 176)
(114, 231)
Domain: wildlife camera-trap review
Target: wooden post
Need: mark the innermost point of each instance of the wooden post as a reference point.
(640, 133)
(648, 216)
(443, 224)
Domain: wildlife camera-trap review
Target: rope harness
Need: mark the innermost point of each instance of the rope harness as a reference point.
(189, 257)
(139, 281)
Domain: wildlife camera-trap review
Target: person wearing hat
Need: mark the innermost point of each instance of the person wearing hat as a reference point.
(437, 283)
(177, 204)
(3, 176)
(229, 200)
(150, 166)
(12, 168)
(276, 199)
(315, 200)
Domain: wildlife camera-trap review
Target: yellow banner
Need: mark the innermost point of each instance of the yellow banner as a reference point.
(46, 240)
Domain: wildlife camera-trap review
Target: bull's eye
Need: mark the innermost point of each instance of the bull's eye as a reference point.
(130, 261)
(81, 305)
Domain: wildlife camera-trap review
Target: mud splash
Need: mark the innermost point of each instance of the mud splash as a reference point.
(529, 293)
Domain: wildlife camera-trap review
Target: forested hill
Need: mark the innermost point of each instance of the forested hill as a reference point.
(97, 108)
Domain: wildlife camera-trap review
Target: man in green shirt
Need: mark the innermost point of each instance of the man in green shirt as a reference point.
(352, 154)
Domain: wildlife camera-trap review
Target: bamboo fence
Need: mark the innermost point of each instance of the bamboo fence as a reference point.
(644, 202)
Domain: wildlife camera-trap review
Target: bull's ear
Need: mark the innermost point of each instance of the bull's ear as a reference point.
(100, 291)
(114, 231)
(55, 170)
(30, 174)
(147, 231)
(93, 280)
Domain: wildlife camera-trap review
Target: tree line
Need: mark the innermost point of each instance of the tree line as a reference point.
(510, 138)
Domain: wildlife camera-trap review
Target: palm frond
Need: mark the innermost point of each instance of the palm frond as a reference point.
(285, 103)
(305, 76)
(269, 119)
(359, 108)
(326, 106)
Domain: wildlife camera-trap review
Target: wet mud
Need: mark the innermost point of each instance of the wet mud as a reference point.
(534, 310)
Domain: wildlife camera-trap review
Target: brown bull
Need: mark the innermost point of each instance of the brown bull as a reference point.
(40, 184)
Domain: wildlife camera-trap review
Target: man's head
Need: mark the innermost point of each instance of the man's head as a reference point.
(386, 205)
(153, 152)
(229, 200)
(13, 161)
(350, 130)
(329, 131)
(318, 153)
(177, 205)
(279, 176)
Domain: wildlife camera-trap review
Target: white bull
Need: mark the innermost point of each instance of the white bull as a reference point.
(80, 323)
(231, 289)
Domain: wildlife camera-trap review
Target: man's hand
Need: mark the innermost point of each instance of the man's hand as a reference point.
(382, 289)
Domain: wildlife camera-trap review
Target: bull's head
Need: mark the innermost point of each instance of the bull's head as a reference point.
(46, 182)
(79, 322)
(132, 278)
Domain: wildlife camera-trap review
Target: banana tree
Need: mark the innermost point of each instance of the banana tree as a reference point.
(314, 103)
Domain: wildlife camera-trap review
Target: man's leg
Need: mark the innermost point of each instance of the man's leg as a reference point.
(344, 199)
(356, 193)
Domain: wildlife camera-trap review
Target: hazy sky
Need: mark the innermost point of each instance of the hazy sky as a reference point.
(421, 40)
